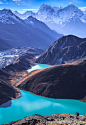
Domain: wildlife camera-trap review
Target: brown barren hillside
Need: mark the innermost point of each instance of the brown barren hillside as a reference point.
(66, 81)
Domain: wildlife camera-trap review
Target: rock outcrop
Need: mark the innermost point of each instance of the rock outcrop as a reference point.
(61, 119)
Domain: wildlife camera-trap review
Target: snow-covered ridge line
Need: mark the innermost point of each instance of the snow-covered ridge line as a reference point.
(47, 9)
(67, 20)
(8, 17)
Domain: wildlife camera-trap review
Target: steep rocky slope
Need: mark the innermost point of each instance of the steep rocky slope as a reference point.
(66, 81)
(12, 74)
(61, 119)
(7, 92)
(64, 49)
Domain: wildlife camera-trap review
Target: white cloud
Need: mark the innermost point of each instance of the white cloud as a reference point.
(16, 0)
(21, 12)
(76, 1)
(24, 10)
(82, 8)
(1, 2)
(70, 2)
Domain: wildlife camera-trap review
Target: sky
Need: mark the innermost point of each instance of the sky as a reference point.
(34, 5)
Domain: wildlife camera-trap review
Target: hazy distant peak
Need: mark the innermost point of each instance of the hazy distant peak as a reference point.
(28, 12)
(16, 12)
(31, 18)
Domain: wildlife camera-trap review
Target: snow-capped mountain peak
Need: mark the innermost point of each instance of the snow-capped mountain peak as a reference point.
(70, 12)
(67, 20)
(59, 14)
(46, 8)
(44, 11)
(7, 12)
(16, 13)
(8, 17)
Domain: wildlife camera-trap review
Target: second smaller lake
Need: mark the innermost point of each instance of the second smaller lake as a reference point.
(39, 66)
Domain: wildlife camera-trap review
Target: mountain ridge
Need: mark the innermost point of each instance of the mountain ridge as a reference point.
(64, 49)
(62, 20)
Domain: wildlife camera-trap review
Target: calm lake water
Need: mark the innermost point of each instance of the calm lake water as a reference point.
(39, 66)
(30, 104)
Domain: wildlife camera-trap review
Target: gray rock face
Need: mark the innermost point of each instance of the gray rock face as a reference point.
(64, 49)
(56, 119)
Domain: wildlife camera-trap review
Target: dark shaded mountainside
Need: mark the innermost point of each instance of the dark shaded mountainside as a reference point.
(67, 81)
(64, 49)
(12, 74)
(15, 32)
(7, 92)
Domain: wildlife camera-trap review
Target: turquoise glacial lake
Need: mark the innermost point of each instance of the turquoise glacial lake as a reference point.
(39, 66)
(30, 104)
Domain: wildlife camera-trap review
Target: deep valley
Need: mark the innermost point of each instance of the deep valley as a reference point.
(42, 63)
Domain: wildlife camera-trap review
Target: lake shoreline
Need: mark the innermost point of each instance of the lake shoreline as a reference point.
(82, 100)
(20, 95)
